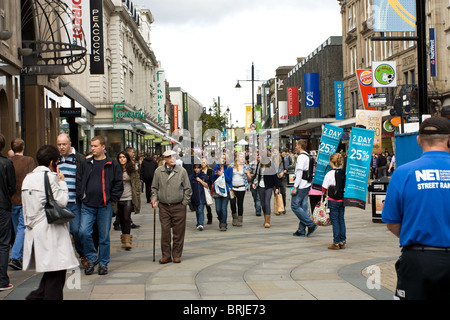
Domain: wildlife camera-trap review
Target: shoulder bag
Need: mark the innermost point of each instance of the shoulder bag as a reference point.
(55, 214)
(321, 214)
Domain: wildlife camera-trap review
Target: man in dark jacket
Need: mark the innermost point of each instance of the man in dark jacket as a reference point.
(148, 168)
(7, 189)
(101, 183)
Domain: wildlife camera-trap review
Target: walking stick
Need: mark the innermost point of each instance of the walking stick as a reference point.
(154, 228)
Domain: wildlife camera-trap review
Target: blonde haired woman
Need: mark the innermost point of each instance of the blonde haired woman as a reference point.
(241, 175)
(334, 182)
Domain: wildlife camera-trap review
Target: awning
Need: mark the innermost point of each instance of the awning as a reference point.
(306, 124)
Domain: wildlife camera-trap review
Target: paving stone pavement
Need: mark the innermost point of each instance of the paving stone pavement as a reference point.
(244, 263)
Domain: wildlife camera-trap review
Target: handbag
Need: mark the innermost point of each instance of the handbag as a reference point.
(55, 214)
(321, 214)
(278, 205)
(209, 199)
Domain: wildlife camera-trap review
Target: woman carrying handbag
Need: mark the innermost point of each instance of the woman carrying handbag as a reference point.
(47, 247)
(208, 171)
(222, 171)
(334, 183)
(266, 180)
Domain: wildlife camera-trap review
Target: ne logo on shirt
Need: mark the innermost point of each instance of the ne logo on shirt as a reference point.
(434, 179)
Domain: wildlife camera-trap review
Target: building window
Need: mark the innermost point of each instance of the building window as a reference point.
(351, 17)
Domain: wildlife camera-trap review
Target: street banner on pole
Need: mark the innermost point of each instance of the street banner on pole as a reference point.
(329, 142)
(432, 38)
(258, 118)
(364, 77)
(292, 96)
(394, 15)
(339, 99)
(312, 98)
(248, 118)
(358, 165)
(282, 112)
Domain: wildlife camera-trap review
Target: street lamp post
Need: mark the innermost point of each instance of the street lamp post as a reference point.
(238, 86)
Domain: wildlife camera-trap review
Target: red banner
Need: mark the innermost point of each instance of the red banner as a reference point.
(364, 77)
(175, 117)
(292, 97)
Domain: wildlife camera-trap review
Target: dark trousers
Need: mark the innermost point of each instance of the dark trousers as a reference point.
(5, 242)
(148, 189)
(239, 199)
(51, 286)
(423, 275)
(173, 229)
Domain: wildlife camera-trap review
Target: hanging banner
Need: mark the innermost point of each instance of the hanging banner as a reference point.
(339, 99)
(394, 15)
(432, 38)
(371, 120)
(329, 142)
(175, 117)
(282, 112)
(312, 98)
(364, 77)
(185, 111)
(292, 98)
(357, 170)
(248, 118)
(384, 74)
(258, 118)
(97, 63)
(160, 94)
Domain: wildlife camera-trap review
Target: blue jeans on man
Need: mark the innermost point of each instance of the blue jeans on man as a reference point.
(75, 208)
(199, 212)
(299, 205)
(103, 216)
(19, 229)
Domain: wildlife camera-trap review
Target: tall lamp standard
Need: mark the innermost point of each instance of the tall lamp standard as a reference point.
(238, 86)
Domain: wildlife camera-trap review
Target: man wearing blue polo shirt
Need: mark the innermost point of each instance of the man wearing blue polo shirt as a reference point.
(417, 211)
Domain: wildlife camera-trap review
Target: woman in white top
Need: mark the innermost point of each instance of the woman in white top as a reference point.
(241, 176)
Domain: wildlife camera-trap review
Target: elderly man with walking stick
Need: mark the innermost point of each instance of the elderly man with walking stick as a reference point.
(172, 189)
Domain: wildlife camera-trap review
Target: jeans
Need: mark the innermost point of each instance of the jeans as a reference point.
(265, 195)
(103, 216)
(199, 213)
(299, 205)
(19, 229)
(75, 208)
(221, 208)
(256, 199)
(337, 211)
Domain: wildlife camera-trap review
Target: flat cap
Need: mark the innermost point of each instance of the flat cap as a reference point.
(168, 153)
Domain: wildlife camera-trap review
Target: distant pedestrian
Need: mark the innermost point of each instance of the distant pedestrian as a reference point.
(299, 202)
(147, 171)
(206, 169)
(171, 191)
(255, 194)
(22, 166)
(266, 181)
(221, 202)
(282, 173)
(47, 248)
(7, 189)
(416, 210)
(199, 181)
(381, 165)
(334, 183)
(70, 162)
(241, 176)
(101, 183)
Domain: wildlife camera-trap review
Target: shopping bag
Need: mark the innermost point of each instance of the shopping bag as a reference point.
(220, 187)
(278, 204)
(208, 197)
(321, 213)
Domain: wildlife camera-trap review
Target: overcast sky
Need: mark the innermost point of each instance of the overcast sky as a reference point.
(206, 45)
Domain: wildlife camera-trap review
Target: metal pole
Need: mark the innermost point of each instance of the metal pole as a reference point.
(154, 229)
(421, 57)
(253, 93)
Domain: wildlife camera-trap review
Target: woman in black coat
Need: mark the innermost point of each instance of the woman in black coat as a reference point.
(265, 180)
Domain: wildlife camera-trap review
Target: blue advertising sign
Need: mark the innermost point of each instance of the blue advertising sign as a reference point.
(312, 98)
(358, 165)
(331, 136)
(394, 15)
(339, 99)
(432, 52)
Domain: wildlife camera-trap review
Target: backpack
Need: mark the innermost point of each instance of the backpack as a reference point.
(337, 192)
(308, 175)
